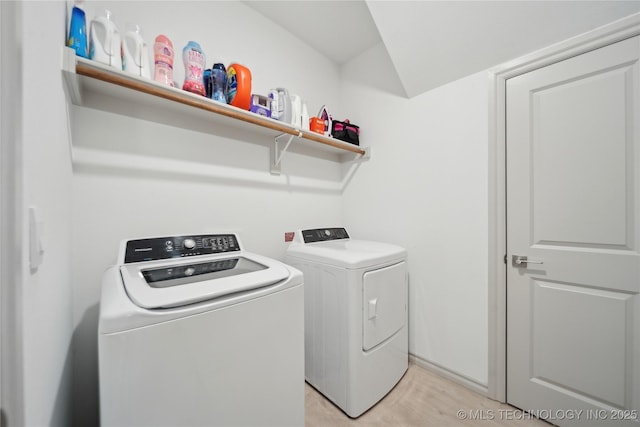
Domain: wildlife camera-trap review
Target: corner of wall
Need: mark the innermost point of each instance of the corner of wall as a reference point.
(12, 403)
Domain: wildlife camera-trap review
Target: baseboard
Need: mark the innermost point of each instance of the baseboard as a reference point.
(450, 375)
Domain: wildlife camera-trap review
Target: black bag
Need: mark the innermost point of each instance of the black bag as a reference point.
(345, 131)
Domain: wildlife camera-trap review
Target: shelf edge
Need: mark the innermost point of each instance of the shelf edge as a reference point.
(316, 137)
(180, 97)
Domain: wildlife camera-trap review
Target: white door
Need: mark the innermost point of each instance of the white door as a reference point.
(573, 208)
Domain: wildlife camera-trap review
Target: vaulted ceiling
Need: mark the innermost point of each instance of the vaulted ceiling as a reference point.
(435, 42)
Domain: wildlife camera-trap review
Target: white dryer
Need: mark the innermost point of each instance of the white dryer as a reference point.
(196, 331)
(356, 334)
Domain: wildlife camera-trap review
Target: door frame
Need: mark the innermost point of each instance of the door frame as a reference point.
(12, 403)
(497, 269)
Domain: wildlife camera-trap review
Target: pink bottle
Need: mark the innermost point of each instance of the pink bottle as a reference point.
(163, 60)
(194, 62)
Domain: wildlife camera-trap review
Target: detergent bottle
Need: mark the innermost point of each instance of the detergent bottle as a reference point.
(281, 104)
(206, 78)
(275, 106)
(194, 63)
(104, 45)
(77, 38)
(239, 86)
(135, 53)
(163, 60)
(219, 82)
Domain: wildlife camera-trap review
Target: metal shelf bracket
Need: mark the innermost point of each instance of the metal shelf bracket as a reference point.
(278, 151)
(363, 157)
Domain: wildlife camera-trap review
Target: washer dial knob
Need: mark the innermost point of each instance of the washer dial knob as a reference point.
(189, 243)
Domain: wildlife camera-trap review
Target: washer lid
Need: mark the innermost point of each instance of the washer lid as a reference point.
(164, 284)
(348, 253)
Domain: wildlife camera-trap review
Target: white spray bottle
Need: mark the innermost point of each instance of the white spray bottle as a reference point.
(305, 116)
(296, 111)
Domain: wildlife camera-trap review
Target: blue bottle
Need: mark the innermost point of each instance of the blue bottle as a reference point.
(219, 82)
(207, 82)
(78, 33)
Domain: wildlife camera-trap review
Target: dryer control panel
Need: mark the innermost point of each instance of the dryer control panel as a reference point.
(179, 246)
(324, 234)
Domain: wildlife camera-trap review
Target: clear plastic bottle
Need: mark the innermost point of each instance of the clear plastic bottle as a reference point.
(194, 61)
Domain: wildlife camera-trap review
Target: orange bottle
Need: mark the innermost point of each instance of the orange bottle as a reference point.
(239, 86)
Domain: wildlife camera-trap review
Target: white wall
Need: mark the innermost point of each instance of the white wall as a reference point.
(425, 187)
(46, 176)
(426, 190)
(192, 182)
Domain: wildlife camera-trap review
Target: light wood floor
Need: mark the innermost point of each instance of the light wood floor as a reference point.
(421, 399)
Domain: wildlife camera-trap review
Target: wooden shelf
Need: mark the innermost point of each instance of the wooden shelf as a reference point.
(95, 85)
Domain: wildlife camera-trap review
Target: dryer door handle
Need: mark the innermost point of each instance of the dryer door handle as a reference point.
(373, 308)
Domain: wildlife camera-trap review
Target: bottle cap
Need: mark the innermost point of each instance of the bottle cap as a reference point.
(164, 39)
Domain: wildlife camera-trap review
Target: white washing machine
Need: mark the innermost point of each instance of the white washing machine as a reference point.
(196, 331)
(356, 334)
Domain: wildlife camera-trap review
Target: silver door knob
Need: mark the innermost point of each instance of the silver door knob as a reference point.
(522, 260)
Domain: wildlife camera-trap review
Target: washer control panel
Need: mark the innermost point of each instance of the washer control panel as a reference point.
(179, 246)
(324, 234)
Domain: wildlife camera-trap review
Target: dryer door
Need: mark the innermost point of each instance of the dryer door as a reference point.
(384, 296)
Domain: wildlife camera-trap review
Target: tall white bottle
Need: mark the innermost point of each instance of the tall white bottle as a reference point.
(104, 45)
(135, 52)
(305, 117)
